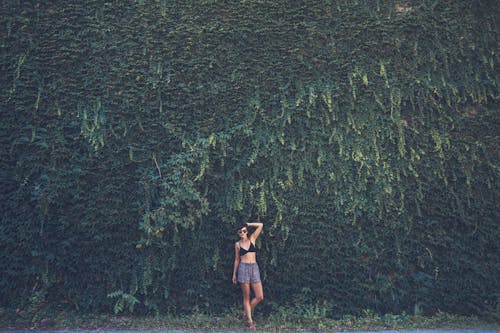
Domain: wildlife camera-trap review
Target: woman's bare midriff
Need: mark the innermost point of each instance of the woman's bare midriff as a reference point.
(250, 260)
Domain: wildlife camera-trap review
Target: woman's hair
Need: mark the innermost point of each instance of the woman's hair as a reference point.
(241, 226)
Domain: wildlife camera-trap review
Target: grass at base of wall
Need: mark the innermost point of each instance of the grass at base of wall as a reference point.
(281, 321)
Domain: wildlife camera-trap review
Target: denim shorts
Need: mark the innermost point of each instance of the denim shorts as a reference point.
(248, 273)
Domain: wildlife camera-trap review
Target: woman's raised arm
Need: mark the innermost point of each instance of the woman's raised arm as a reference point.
(257, 232)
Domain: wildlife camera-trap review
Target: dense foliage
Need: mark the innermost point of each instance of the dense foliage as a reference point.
(364, 134)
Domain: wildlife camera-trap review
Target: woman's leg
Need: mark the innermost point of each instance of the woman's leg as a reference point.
(245, 288)
(259, 294)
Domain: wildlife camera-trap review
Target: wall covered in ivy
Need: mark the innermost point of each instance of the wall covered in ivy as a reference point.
(134, 136)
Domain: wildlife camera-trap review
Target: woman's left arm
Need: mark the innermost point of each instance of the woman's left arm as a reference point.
(257, 232)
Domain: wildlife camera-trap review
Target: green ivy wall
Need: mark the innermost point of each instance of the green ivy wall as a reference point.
(135, 135)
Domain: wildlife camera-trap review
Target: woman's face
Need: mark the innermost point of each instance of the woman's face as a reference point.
(242, 232)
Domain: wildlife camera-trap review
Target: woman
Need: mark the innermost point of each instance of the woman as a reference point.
(246, 270)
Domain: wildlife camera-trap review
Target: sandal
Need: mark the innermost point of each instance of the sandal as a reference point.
(251, 325)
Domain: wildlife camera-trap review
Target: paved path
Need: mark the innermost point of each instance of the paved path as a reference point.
(474, 330)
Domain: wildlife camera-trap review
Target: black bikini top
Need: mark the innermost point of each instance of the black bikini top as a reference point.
(250, 249)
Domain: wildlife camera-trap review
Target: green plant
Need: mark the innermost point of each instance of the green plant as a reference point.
(136, 134)
(123, 301)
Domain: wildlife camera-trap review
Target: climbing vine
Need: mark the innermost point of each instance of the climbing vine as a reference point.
(137, 134)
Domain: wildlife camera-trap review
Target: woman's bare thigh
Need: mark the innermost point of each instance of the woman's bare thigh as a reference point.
(257, 290)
